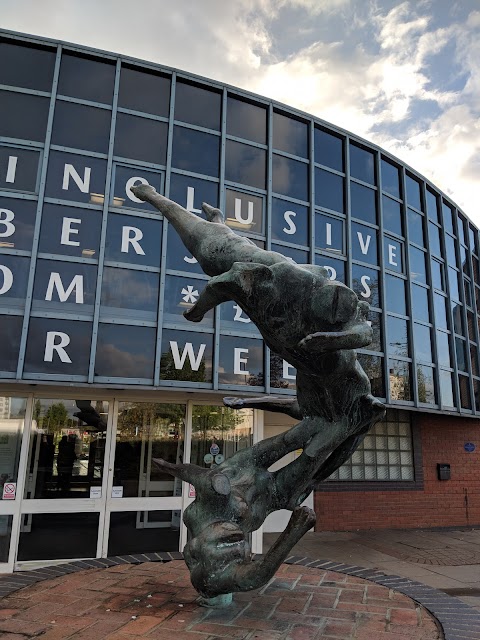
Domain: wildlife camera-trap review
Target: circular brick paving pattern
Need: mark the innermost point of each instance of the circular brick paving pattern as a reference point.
(157, 601)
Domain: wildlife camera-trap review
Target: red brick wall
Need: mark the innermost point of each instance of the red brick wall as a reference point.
(455, 502)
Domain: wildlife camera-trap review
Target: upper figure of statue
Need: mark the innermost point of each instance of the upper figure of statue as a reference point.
(313, 323)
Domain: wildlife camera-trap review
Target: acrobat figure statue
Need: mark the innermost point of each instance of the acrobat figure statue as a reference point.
(314, 324)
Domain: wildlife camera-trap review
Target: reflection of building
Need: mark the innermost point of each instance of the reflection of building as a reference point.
(93, 284)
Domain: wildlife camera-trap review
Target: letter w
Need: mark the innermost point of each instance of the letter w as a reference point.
(179, 360)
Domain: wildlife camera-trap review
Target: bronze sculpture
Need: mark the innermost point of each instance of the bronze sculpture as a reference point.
(314, 324)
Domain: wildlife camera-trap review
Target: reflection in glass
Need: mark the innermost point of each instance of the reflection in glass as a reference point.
(51, 536)
(58, 346)
(399, 375)
(329, 235)
(362, 164)
(363, 203)
(91, 130)
(460, 350)
(10, 330)
(413, 193)
(328, 149)
(131, 239)
(243, 211)
(218, 433)
(186, 355)
(373, 367)
(75, 177)
(5, 535)
(125, 352)
(335, 268)
(397, 331)
(191, 192)
(415, 227)
(461, 229)
(67, 448)
(376, 324)
(148, 430)
(245, 164)
(240, 361)
(437, 275)
(23, 116)
(290, 222)
(13, 281)
(86, 78)
(364, 244)
(64, 287)
(24, 65)
(134, 138)
(180, 295)
(178, 257)
(392, 217)
(432, 206)
(18, 170)
(422, 342)
(329, 190)
(144, 90)
(129, 294)
(70, 231)
(464, 384)
(290, 178)
(446, 389)
(290, 135)
(440, 311)
(420, 304)
(443, 349)
(390, 178)
(12, 420)
(474, 359)
(246, 120)
(453, 283)
(425, 385)
(138, 532)
(450, 248)
(282, 374)
(197, 105)
(196, 151)
(447, 215)
(233, 318)
(417, 265)
(125, 178)
(294, 255)
(434, 239)
(366, 285)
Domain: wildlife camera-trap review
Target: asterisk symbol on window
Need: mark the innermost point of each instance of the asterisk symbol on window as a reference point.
(190, 294)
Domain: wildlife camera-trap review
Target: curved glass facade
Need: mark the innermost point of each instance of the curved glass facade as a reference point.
(93, 282)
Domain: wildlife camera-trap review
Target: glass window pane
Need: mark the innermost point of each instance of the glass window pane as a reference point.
(12, 420)
(146, 431)
(474, 359)
(437, 275)
(390, 179)
(365, 283)
(70, 231)
(422, 342)
(13, 281)
(241, 361)
(397, 333)
(126, 177)
(91, 128)
(290, 224)
(453, 283)
(363, 203)
(186, 355)
(446, 389)
(329, 190)
(233, 318)
(362, 164)
(143, 531)
(17, 221)
(178, 258)
(86, 78)
(373, 367)
(245, 164)
(75, 177)
(329, 233)
(24, 65)
(364, 244)
(64, 287)
(23, 116)
(180, 295)
(11, 331)
(125, 352)
(140, 139)
(191, 192)
(375, 320)
(420, 305)
(290, 135)
(434, 239)
(417, 265)
(432, 206)
(440, 311)
(19, 169)
(415, 227)
(244, 211)
(246, 120)
(460, 350)
(457, 313)
(472, 236)
(447, 214)
(133, 240)
(395, 295)
(451, 254)
(197, 105)
(129, 294)
(392, 216)
(413, 192)
(335, 268)
(144, 90)
(57, 346)
(328, 149)
(282, 374)
(393, 254)
(464, 385)
(290, 178)
(196, 151)
(295, 255)
(67, 448)
(443, 349)
(400, 380)
(461, 229)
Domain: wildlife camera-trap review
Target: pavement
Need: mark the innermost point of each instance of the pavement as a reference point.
(446, 559)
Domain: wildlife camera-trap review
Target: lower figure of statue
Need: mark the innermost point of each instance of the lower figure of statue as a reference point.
(313, 323)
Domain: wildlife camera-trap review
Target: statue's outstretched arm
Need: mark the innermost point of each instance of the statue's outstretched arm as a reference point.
(276, 404)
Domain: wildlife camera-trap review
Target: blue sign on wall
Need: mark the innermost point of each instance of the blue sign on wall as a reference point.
(469, 447)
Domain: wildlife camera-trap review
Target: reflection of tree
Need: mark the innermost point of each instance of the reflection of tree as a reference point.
(56, 418)
(372, 367)
(37, 410)
(212, 418)
(157, 418)
(168, 371)
(276, 372)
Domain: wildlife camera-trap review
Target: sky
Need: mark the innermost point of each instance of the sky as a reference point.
(403, 75)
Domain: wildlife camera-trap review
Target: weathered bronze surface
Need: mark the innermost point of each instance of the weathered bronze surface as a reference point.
(314, 324)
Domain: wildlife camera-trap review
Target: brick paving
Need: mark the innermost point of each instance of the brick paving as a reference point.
(156, 600)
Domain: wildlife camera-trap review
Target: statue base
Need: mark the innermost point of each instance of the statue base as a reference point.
(218, 602)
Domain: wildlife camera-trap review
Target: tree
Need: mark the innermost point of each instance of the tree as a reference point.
(56, 418)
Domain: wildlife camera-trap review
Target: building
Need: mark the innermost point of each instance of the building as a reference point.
(99, 370)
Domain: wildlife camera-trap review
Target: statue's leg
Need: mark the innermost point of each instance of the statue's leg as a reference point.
(276, 404)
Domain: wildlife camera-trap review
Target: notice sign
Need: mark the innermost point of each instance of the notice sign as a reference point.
(191, 491)
(9, 490)
(95, 492)
(117, 492)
